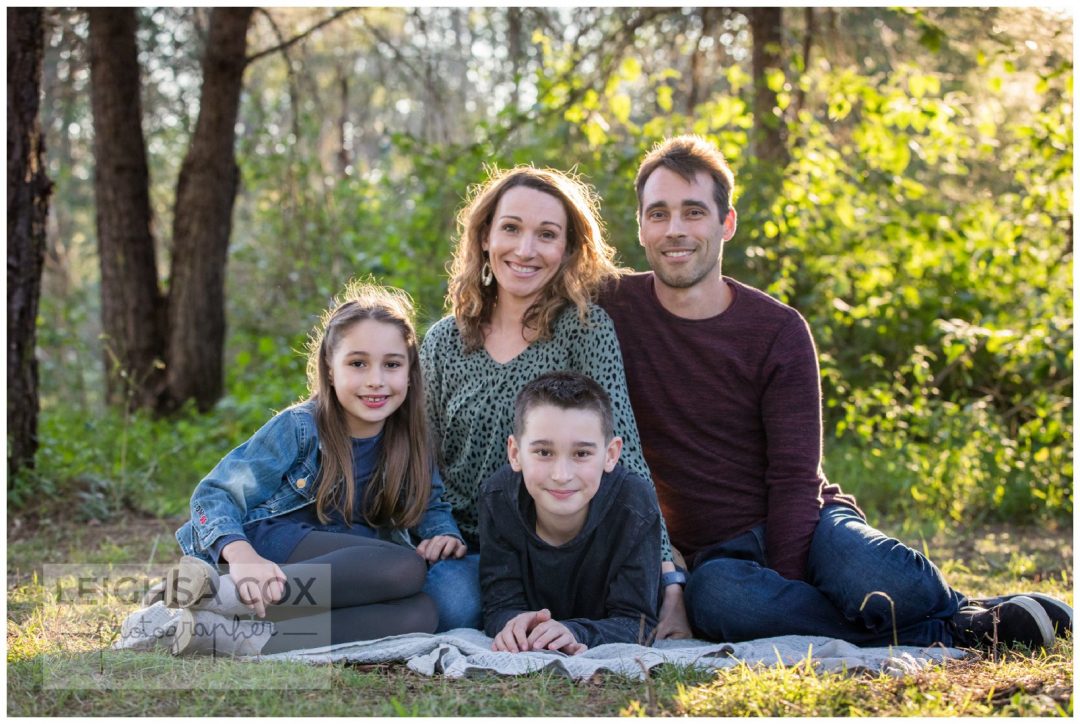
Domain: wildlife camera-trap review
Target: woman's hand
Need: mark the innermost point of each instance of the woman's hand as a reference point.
(673, 623)
(439, 547)
(259, 582)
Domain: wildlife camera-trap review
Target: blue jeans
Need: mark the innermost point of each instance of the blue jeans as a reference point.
(734, 596)
(454, 585)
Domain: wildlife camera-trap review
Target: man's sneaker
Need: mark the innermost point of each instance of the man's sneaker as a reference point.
(1060, 613)
(209, 633)
(1020, 620)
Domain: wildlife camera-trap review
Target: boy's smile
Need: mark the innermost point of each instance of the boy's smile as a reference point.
(562, 455)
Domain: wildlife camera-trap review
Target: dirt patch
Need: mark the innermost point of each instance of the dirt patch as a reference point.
(133, 538)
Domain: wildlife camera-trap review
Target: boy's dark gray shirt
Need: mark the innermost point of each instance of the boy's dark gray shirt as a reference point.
(600, 585)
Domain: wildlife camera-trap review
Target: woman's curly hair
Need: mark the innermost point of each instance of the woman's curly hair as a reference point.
(587, 263)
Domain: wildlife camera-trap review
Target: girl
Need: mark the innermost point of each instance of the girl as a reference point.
(320, 484)
(529, 261)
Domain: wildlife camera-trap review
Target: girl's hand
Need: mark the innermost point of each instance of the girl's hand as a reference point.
(439, 547)
(259, 582)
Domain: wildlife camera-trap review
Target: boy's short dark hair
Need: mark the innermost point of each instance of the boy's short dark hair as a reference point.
(567, 391)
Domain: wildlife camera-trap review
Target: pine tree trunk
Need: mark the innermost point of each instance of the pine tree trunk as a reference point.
(769, 142)
(28, 191)
(205, 193)
(131, 303)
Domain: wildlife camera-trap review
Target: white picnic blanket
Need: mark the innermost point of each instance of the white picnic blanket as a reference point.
(467, 652)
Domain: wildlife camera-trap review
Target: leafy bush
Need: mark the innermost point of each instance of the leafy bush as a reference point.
(923, 227)
(99, 464)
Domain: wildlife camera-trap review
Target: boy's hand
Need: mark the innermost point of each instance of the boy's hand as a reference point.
(515, 634)
(439, 547)
(554, 636)
(535, 631)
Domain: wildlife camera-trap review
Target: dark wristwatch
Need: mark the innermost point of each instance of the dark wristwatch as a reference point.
(676, 577)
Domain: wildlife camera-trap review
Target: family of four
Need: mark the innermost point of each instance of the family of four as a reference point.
(575, 456)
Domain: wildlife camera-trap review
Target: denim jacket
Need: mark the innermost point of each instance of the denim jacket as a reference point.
(272, 474)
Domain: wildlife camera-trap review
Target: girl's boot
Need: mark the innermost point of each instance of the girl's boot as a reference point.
(205, 632)
(148, 629)
(196, 585)
(189, 582)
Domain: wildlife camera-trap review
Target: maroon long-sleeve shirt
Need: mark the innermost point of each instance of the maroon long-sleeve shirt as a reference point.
(729, 413)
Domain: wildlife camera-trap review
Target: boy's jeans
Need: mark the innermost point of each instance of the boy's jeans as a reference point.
(733, 596)
(454, 585)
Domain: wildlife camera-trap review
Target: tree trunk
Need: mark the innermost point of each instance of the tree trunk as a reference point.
(516, 51)
(28, 191)
(209, 178)
(769, 144)
(698, 61)
(808, 44)
(131, 303)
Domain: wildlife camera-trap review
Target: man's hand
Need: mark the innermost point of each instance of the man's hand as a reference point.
(535, 631)
(259, 582)
(439, 547)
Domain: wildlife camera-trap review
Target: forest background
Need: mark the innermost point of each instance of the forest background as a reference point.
(904, 180)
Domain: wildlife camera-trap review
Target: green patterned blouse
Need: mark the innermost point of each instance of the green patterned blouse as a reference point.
(470, 401)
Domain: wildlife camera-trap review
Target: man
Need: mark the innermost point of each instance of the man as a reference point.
(725, 386)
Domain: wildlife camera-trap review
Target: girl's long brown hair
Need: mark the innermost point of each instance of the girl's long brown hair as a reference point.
(398, 491)
(587, 264)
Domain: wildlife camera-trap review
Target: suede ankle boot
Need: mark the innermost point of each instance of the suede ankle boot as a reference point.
(208, 633)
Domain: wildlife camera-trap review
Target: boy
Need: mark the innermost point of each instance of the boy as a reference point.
(569, 538)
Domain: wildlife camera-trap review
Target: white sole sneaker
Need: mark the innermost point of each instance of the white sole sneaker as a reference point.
(1046, 627)
(1060, 613)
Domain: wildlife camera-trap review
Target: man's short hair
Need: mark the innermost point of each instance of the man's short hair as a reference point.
(567, 391)
(686, 155)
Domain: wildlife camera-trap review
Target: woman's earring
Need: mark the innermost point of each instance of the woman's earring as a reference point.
(486, 275)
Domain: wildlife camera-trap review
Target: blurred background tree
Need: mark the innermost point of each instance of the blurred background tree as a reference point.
(904, 180)
(28, 191)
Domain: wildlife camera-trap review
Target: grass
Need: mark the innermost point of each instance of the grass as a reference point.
(51, 643)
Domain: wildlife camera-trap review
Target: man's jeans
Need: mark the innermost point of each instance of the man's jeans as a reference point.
(733, 596)
(454, 585)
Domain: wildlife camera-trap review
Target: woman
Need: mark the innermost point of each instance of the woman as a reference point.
(529, 261)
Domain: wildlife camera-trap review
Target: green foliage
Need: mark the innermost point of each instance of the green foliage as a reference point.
(943, 313)
(99, 464)
(923, 227)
